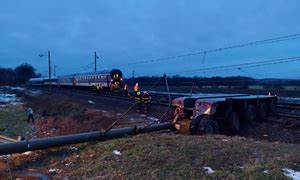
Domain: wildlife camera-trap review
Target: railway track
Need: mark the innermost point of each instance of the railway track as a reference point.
(283, 109)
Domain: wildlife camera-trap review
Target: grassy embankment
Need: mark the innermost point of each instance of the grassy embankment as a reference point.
(14, 120)
(167, 156)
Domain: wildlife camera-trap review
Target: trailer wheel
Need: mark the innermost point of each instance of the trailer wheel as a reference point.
(194, 126)
(234, 122)
(250, 113)
(209, 126)
(262, 111)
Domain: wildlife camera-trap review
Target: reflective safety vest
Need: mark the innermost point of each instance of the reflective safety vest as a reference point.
(146, 98)
(116, 86)
(138, 99)
(136, 88)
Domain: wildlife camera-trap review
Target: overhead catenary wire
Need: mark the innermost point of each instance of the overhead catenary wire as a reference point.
(249, 44)
(241, 65)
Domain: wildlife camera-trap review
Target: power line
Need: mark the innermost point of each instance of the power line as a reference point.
(254, 43)
(242, 65)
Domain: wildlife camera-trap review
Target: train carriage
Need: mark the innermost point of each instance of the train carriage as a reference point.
(87, 80)
(107, 79)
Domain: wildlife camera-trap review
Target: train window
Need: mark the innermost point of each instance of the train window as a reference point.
(117, 75)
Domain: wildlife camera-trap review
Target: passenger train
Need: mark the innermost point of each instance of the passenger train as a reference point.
(106, 79)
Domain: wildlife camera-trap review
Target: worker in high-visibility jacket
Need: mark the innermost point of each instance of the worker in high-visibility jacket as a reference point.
(136, 88)
(97, 88)
(138, 101)
(126, 92)
(146, 99)
(111, 88)
(116, 88)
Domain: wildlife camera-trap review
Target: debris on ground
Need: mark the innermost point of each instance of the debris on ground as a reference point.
(116, 152)
(208, 170)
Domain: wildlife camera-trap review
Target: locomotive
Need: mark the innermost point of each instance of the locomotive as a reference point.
(106, 79)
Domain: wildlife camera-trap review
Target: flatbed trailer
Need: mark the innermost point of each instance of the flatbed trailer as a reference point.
(220, 113)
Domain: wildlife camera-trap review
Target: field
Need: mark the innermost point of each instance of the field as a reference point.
(166, 155)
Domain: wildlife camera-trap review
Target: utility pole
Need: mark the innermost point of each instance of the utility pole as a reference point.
(95, 61)
(49, 66)
(49, 62)
(133, 74)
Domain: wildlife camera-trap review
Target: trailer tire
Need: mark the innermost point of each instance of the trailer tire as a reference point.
(262, 111)
(194, 130)
(209, 126)
(234, 122)
(250, 113)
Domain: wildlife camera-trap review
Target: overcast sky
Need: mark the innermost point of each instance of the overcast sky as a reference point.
(125, 31)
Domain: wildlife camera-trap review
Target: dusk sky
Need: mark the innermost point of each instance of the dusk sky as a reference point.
(128, 31)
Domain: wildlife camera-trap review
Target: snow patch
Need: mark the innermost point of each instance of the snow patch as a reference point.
(291, 173)
(27, 153)
(5, 156)
(116, 152)
(7, 98)
(53, 170)
(91, 102)
(68, 164)
(74, 148)
(208, 170)
(266, 171)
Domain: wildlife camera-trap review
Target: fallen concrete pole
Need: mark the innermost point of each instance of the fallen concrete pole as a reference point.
(45, 143)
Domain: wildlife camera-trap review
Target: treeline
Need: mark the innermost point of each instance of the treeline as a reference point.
(18, 76)
(234, 81)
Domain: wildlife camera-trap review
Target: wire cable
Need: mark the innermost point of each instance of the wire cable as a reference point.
(241, 65)
(254, 43)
